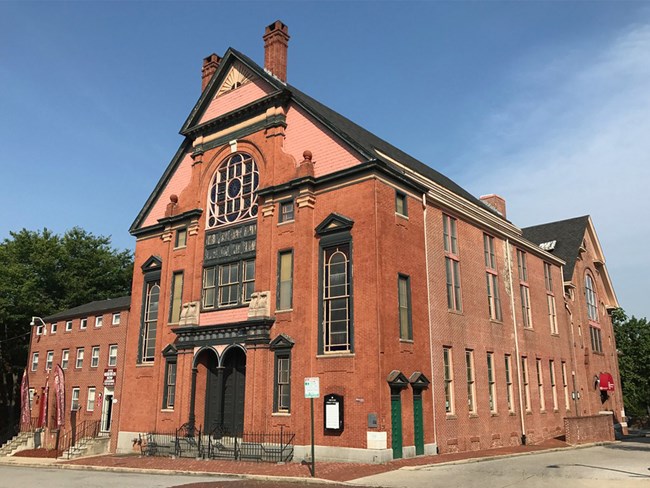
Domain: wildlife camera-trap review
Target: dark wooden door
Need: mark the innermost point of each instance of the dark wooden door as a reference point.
(234, 386)
(212, 395)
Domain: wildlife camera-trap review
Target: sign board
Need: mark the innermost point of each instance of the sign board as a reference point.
(333, 412)
(109, 376)
(312, 387)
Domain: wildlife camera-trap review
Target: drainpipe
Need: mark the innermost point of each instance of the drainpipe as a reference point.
(574, 362)
(518, 358)
(426, 260)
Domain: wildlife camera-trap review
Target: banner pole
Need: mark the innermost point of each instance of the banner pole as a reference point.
(313, 460)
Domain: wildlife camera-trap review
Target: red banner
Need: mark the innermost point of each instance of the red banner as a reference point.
(606, 382)
(59, 391)
(42, 414)
(25, 410)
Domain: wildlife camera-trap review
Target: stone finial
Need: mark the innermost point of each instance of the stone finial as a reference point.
(306, 167)
(173, 201)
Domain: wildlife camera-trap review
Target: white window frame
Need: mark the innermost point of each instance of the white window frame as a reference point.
(79, 361)
(510, 393)
(74, 399)
(492, 387)
(53, 328)
(35, 361)
(99, 321)
(68, 325)
(90, 399)
(551, 367)
(112, 355)
(49, 360)
(471, 381)
(94, 357)
(83, 323)
(117, 317)
(540, 384)
(65, 358)
(448, 369)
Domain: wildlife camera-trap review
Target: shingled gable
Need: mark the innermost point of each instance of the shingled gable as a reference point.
(362, 141)
(568, 235)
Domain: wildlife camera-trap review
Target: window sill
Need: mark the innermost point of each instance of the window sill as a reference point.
(406, 341)
(451, 416)
(555, 334)
(179, 248)
(284, 310)
(494, 414)
(144, 365)
(281, 414)
(529, 329)
(401, 216)
(335, 355)
(512, 414)
(473, 415)
(496, 322)
(455, 312)
(167, 410)
(286, 222)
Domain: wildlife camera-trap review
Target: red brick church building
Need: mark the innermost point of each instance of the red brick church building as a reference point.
(283, 241)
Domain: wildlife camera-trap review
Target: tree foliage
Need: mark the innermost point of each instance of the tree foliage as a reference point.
(42, 273)
(633, 343)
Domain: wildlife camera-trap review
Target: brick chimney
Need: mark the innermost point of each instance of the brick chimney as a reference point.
(276, 41)
(496, 202)
(210, 65)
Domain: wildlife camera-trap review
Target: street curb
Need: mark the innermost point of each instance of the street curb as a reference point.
(503, 456)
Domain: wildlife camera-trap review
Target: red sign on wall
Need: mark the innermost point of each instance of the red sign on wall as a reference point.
(109, 376)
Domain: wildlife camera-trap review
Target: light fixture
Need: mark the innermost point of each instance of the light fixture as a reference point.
(34, 319)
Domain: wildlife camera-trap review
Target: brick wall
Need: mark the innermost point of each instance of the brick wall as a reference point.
(594, 428)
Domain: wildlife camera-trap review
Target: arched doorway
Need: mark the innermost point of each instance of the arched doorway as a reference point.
(224, 394)
(234, 387)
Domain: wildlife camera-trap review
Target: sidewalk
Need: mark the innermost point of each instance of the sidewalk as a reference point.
(325, 471)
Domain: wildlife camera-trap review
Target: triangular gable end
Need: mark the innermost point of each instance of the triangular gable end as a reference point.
(590, 233)
(418, 380)
(234, 68)
(396, 379)
(334, 223)
(169, 351)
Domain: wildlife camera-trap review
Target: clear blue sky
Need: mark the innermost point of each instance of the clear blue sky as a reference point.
(544, 103)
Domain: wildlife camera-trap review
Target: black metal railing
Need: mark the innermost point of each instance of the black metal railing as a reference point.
(191, 442)
(273, 447)
(157, 443)
(87, 429)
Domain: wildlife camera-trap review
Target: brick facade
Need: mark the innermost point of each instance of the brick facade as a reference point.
(74, 330)
(378, 292)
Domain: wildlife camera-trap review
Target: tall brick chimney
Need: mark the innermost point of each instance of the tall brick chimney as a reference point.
(496, 202)
(276, 41)
(210, 65)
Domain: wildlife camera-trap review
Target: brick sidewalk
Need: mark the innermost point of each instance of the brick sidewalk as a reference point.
(324, 470)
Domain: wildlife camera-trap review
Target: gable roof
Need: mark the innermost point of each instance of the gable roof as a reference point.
(92, 308)
(360, 139)
(568, 235)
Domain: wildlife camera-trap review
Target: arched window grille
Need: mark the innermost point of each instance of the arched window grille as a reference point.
(150, 322)
(592, 309)
(233, 191)
(336, 299)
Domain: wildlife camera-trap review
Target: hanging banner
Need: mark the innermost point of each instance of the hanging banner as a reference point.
(606, 382)
(59, 391)
(25, 410)
(42, 413)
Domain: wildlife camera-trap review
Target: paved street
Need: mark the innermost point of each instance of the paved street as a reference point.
(15, 476)
(619, 465)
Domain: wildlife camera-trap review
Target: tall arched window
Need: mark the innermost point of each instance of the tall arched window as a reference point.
(233, 191)
(590, 292)
(336, 299)
(150, 322)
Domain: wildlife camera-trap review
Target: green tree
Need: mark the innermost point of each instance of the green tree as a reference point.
(633, 343)
(42, 273)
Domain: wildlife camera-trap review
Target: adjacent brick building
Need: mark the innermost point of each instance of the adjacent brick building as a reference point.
(88, 342)
(285, 242)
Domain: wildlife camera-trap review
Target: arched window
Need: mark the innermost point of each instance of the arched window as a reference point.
(590, 292)
(150, 322)
(336, 300)
(233, 191)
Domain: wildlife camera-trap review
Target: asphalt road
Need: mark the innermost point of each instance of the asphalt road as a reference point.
(625, 464)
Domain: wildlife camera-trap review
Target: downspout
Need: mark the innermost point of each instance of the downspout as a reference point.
(574, 362)
(518, 358)
(380, 349)
(426, 260)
